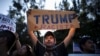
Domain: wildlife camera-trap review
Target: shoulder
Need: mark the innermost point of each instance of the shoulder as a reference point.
(60, 49)
(60, 46)
(39, 45)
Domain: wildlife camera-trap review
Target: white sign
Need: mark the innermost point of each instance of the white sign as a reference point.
(7, 24)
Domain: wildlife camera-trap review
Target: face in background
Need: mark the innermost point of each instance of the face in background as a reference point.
(25, 50)
(49, 41)
(89, 46)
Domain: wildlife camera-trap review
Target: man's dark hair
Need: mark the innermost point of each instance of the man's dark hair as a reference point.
(10, 37)
(48, 34)
(83, 41)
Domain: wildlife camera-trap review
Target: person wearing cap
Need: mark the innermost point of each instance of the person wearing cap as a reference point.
(48, 48)
(7, 40)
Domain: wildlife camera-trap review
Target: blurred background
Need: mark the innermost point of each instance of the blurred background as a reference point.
(88, 12)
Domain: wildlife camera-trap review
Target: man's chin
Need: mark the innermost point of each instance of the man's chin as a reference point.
(49, 45)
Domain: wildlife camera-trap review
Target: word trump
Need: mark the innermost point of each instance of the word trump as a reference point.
(54, 19)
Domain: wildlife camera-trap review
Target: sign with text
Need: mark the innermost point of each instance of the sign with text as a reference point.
(51, 19)
(7, 24)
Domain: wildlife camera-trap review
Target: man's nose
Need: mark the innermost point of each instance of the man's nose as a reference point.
(48, 39)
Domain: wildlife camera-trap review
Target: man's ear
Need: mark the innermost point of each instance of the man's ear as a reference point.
(55, 41)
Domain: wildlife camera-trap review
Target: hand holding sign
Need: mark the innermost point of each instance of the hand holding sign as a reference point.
(49, 19)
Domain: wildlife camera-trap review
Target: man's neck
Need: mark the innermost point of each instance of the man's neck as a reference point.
(50, 48)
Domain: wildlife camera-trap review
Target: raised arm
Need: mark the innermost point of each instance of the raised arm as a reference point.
(18, 44)
(69, 36)
(33, 37)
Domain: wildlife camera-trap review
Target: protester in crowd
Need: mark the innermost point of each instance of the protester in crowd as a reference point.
(48, 48)
(87, 45)
(25, 50)
(22, 50)
(7, 40)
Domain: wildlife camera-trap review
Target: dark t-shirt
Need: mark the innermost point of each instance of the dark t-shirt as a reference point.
(58, 50)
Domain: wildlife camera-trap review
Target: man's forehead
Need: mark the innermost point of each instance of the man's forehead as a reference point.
(49, 36)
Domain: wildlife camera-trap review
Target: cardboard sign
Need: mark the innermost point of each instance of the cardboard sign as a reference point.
(7, 24)
(50, 19)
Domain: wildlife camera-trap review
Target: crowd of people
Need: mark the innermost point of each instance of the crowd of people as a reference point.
(8, 40)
